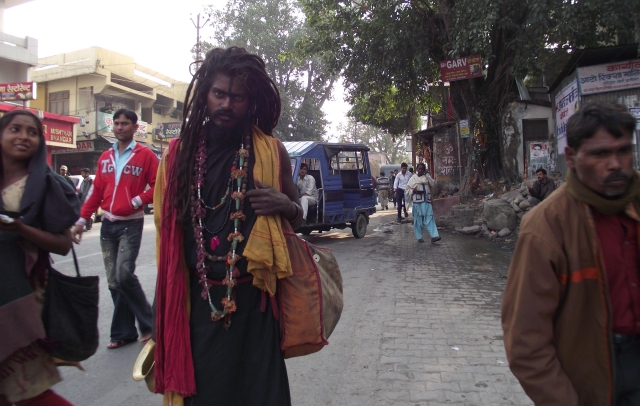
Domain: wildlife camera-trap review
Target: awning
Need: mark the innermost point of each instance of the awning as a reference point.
(110, 140)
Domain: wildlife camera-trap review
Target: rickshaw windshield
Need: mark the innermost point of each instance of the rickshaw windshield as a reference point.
(348, 161)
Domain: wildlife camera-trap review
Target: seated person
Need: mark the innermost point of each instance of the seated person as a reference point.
(306, 189)
(541, 188)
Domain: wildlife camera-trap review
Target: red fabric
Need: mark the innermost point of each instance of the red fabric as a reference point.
(619, 239)
(140, 170)
(47, 398)
(174, 363)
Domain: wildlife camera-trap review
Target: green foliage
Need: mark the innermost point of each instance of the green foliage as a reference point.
(389, 51)
(271, 29)
(376, 139)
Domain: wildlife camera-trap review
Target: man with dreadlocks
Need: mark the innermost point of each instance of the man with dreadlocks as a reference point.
(223, 189)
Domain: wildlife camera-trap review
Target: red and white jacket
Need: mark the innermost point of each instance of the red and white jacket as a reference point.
(125, 199)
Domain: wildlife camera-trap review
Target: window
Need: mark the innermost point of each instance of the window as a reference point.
(348, 160)
(86, 101)
(59, 102)
(157, 110)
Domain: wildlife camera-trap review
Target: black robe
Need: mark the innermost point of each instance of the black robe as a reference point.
(242, 365)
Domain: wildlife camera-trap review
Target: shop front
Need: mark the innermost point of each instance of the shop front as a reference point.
(85, 155)
(59, 131)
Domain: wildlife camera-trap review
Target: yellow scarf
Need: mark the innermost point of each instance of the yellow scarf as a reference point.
(266, 250)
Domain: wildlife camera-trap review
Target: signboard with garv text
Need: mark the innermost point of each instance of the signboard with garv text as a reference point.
(466, 67)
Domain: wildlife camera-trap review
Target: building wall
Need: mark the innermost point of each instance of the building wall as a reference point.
(628, 97)
(12, 71)
(512, 141)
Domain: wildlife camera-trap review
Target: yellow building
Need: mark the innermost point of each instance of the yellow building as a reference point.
(92, 84)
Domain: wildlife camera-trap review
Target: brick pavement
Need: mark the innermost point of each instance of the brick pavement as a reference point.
(431, 334)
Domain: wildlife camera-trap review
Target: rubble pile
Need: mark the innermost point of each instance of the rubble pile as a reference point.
(495, 216)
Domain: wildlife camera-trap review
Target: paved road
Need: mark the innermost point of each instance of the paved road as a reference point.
(420, 326)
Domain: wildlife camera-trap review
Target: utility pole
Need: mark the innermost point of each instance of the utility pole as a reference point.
(196, 65)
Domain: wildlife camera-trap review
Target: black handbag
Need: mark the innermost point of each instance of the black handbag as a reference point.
(70, 314)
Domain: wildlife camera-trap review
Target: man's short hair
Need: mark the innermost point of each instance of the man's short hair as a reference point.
(421, 164)
(614, 117)
(305, 166)
(544, 171)
(129, 114)
(381, 173)
(403, 165)
(85, 170)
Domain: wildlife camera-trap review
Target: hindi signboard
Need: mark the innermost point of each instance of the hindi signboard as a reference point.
(567, 102)
(20, 91)
(167, 130)
(609, 77)
(466, 67)
(445, 162)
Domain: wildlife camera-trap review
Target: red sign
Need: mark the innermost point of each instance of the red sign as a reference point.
(466, 67)
(60, 132)
(18, 91)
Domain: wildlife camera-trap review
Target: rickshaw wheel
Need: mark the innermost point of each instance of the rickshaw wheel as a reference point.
(359, 227)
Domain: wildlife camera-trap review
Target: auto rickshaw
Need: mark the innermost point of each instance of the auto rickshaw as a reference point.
(343, 178)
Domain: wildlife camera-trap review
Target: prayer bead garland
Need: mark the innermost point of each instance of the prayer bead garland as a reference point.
(198, 214)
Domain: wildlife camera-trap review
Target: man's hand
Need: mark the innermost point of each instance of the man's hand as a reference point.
(76, 233)
(265, 200)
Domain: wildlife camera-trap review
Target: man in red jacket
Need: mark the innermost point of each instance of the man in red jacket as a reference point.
(123, 174)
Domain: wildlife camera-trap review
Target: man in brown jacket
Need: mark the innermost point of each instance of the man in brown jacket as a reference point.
(571, 308)
(543, 187)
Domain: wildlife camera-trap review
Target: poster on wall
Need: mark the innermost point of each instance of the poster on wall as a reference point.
(567, 103)
(635, 111)
(538, 157)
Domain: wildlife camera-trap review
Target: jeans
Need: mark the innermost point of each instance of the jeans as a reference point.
(120, 241)
(627, 360)
(400, 202)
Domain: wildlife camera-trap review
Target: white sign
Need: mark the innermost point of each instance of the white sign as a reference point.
(609, 77)
(567, 101)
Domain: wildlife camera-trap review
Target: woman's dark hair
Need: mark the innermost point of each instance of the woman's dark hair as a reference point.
(129, 114)
(264, 112)
(613, 117)
(421, 164)
(8, 118)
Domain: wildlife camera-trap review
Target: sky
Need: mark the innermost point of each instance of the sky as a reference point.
(159, 34)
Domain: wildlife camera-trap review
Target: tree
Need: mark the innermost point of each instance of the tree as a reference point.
(396, 43)
(271, 29)
(376, 139)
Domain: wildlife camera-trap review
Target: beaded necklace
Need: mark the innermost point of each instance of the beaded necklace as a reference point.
(198, 213)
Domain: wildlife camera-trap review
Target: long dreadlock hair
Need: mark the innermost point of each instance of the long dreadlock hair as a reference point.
(264, 112)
